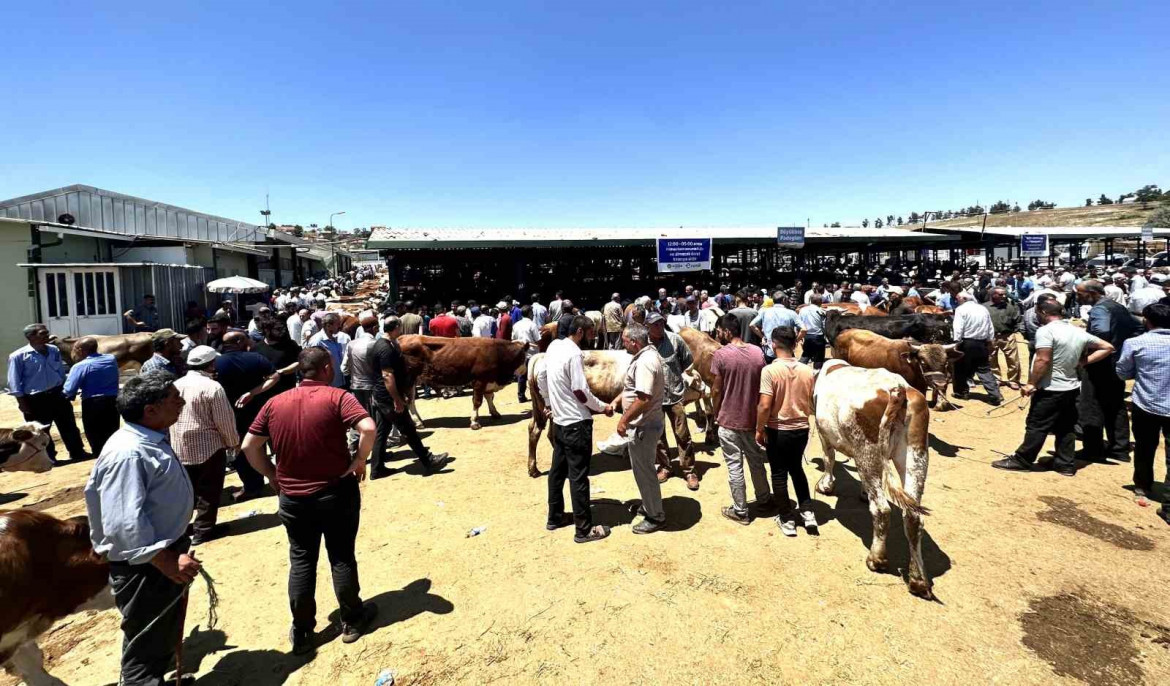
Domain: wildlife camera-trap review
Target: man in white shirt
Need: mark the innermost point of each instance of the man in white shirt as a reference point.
(561, 380)
(525, 331)
(1140, 298)
(539, 312)
(1114, 290)
(482, 325)
(1138, 282)
(554, 307)
(860, 297)
(974, 334)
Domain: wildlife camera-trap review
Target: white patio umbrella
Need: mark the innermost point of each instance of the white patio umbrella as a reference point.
(237, 285)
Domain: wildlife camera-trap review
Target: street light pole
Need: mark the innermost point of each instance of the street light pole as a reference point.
(333, 242)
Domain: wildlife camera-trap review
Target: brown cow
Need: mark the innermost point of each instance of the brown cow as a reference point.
(702, 348)
(125, 347)
(548, 334)
(485, 364)
(872, 416)
(923, 365)
(23, 449)
(50, 571)
(850, 308)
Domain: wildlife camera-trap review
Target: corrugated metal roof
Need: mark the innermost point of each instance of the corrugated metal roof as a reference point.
(410, 237)
(96, 208)
(1071, 233)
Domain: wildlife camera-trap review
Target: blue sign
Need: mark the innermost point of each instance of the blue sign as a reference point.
(790, 236)
(683, 254)
(1034, 245)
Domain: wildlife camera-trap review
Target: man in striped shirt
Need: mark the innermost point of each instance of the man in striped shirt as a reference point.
(204, 432)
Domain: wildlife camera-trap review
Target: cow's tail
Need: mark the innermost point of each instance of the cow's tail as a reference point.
(892, 419)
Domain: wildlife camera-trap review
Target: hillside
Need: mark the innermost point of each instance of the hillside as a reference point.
(1106, 215)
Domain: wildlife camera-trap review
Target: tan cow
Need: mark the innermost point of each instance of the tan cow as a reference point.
(925, 366)
(125, 347)
(702, 348)
(23, 449)
(50, 572)
(485, 364)
(875, 417)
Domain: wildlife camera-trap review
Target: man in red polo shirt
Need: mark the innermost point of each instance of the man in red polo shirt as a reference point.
(318, 484)
(444, 325)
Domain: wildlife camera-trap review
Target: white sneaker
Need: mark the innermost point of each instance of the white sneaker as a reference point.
(787, 526)
(810, 521)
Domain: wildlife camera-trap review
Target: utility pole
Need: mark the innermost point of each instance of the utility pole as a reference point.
(333, 238)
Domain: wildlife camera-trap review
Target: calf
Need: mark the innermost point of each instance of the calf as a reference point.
(485, 364)
(923, 366)
(126, 347)
(876, 418)
(702, 349)
(50, 571)
(930, 328)
(23, 449)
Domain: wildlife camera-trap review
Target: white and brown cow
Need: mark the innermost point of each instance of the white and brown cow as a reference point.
(875, 417)
(49, 571)
(23, 449)
(485, 364)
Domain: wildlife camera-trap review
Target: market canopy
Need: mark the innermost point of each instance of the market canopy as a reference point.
(237, 284)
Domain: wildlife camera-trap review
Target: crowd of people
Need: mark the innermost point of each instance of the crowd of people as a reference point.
(287, 381)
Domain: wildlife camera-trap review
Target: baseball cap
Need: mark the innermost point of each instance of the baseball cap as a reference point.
(654, 318)
(201, 355)
(164, 335)
(896, 289)
(501, 305)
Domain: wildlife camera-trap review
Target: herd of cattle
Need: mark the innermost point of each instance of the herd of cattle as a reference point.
(870, 403)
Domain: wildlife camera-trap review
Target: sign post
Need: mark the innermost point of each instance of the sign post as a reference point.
(790, 237)
(1034, 245)
(683, 255)
(1147, 234)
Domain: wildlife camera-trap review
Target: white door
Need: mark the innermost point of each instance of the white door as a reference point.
(56, 302)
(96, 299)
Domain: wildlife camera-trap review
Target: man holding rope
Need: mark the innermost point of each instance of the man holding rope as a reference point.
(139, 501)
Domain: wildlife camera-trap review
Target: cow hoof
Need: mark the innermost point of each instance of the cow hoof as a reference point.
(496, 415)
(475, 426)
(534, 473)
(876, 565)
(921, 588)
(419, 425)
(826, 486)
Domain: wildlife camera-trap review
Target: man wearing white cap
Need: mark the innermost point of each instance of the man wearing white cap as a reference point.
(1141, 298)
(503, 321)
(201, 437)
(1115, 290)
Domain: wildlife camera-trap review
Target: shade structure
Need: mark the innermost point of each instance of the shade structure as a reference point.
(237, 284)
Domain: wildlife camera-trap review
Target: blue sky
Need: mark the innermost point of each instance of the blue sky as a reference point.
(586, 114)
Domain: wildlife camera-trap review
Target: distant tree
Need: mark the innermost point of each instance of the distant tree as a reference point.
(272, 226)
(1088, 202)
(915, 217)
(1000, 207)
(1121, 198)
(298, 231)
(975, 210)
(948, 214)
(864, 223)
(1160, 218)
(1104, 200)
(835, 225)
(877, 223)
(889, 219)
(1016, 207)
(1040, 205)
(899, 221)
(824, 226)
(1148, 194)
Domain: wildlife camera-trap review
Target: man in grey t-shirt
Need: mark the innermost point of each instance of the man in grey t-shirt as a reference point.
(1053, 387)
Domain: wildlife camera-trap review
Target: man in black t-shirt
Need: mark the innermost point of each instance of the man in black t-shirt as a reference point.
(243, 373)
(389, 403)
(280, 350)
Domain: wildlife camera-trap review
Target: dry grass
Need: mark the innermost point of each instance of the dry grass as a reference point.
(1107, 215)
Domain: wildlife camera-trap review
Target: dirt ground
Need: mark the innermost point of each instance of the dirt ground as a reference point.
(1040, 579)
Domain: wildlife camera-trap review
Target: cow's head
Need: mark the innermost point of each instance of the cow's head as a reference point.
(31, 457)
(694, 387)
(933, 361)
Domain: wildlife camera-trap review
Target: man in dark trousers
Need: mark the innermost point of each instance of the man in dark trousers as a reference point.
(244, 375)
(561, 380)
(319, 496)
(1101, 405)
(1053, 386)
(95, 377)
(389, 402)
(36, 374)
(139, 501)
(1146, 360)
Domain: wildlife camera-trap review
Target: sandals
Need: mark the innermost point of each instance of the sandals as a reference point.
(595, 534)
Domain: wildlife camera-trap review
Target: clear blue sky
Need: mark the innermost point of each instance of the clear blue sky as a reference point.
(586, 113)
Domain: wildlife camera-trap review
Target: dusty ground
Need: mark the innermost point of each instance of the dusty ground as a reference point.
(1040, 579)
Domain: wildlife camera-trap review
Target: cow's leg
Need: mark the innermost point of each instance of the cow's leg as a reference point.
(28, 663)
(412, 408)
(827, 482)
(490, 396)
(870, 472)
(476, 401)
(535, 427)
(912, 467)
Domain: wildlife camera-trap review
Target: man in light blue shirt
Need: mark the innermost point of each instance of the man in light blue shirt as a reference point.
(812, 322)
(539, 312)
(1146, 360)
(96, 378)
(772, 317)
(333, 339)
(139, 502)
(36, 374)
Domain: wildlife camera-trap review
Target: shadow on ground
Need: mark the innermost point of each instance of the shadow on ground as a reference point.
(682, 512)
(464, 421)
